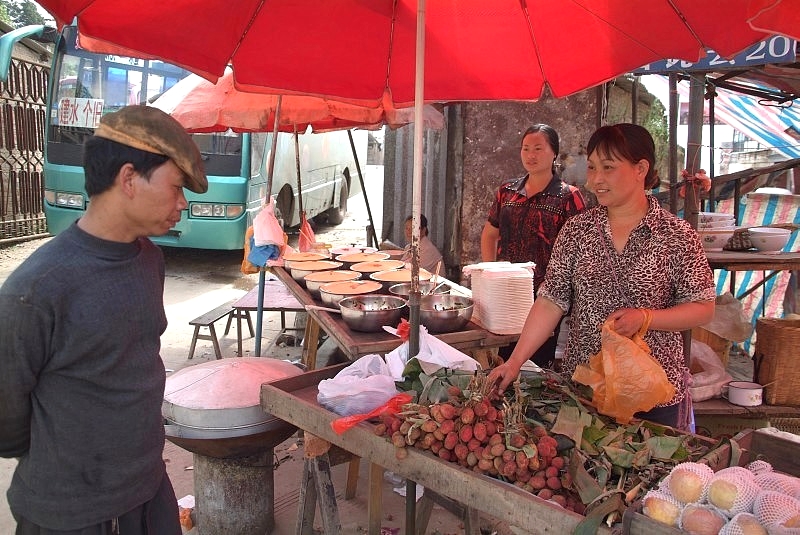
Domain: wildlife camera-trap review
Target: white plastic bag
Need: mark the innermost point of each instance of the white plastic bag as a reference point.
(433, 355)
(358, 388)
(708, 382)
(729, 320)
(266, 228)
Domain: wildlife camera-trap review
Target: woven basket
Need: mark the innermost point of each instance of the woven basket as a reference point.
(721, 346)
(775, 360)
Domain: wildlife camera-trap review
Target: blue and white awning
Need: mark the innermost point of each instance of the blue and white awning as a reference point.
(767, 124)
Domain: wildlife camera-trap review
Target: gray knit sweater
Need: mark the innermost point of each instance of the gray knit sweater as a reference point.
(81, 379)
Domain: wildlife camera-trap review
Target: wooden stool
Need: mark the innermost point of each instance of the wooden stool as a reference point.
(207, 320)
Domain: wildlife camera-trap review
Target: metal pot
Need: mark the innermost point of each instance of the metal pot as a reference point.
(349, 259)
(369, 313)
(290, 258)
(214, 408)
(404, 288)
(318, 278)
(444, 313)
(300, 269)
(394, 276)
(333, 292)
(743, 393)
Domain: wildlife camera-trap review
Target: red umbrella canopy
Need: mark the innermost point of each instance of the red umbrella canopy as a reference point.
(201, 106)
(474, 49)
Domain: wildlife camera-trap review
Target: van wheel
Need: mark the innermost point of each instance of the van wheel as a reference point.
(284, 205)
(336, 214)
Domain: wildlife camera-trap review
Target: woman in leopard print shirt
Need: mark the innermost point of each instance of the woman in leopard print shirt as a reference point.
(617, 259)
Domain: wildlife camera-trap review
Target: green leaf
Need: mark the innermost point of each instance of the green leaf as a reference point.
(596, 514)
(571, 422)
(584, 484)
(618, 456)
(664, 447)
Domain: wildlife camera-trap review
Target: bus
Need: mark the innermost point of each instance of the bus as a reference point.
(85, 85)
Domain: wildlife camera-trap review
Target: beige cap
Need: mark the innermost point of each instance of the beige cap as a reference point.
(152, 130)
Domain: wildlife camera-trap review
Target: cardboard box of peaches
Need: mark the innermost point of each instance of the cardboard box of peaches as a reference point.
(749, 486)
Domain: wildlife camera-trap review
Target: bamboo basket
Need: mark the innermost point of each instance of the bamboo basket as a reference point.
(721, 346)
(775, 360)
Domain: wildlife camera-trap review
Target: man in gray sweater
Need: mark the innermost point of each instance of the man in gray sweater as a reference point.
(81, 376)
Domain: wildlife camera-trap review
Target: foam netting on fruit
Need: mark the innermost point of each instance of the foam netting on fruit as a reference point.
(688, 482)
(773, 508)
(780, 483)
(743, 524)
(661, 506)
(701, 518)
(759, 466)
(732, 492)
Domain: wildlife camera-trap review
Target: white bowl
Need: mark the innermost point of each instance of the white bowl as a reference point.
(707, 217)
(768, 238)
(715, 239)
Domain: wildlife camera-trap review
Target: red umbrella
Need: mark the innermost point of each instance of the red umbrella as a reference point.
(202, 106)
(475, 49)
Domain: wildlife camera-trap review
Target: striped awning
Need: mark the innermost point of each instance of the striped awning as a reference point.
(768, 124)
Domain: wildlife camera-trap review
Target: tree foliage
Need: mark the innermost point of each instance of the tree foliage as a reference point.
(20, 13)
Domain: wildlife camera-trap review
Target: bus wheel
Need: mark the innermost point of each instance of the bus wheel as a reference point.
(336, 214)
(284, 205)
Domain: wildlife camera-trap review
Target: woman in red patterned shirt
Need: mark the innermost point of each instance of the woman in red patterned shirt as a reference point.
(527, 214)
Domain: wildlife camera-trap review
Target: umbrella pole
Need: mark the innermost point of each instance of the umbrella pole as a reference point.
(414, 297)
(268, 194)
(297, 163)
(374, 236)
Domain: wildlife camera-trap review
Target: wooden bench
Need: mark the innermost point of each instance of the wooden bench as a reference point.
(207, 320)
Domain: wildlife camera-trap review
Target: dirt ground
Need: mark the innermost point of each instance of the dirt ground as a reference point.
(199, 280)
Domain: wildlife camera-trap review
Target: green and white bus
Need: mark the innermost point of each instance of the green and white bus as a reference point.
(85, 85)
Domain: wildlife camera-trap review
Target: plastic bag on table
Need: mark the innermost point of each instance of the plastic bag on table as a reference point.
(433, 354)
(393, 406)
(707, 383)
(729, 320)
(359, 388)
(624, 376)
(307, 239)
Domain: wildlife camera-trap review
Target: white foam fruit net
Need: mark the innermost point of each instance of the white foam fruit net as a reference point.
(697, 516)
(743, 524)
(772, 507)
(662, 507)
(688, 482)
(732, 491)
(759, 467)
(779, 482)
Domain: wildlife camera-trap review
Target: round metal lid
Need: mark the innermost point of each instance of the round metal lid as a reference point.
(222, 394)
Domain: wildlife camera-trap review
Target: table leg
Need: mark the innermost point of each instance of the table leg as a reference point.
(374, 501)
(310, 343)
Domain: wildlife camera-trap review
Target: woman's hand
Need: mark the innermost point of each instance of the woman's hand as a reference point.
(628, 321)
(503, 375)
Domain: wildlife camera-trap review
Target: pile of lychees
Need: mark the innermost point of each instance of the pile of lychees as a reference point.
(487, 435)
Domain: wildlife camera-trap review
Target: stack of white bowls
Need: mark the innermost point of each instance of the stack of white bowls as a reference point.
(715, 229)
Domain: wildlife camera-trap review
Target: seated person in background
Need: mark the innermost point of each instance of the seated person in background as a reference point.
(429, 255)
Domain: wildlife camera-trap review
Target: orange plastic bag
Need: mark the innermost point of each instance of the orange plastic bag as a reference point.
(624, 376)
(248, 267)
(393, 406)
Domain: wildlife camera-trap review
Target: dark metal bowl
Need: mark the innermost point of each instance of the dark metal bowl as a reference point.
(369, 313)
(403, 289)
(445, 313)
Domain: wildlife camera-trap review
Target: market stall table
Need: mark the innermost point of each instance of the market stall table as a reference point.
(472, 339)
(721, 417)
(277, 298)
(753, 261)
(295, 401)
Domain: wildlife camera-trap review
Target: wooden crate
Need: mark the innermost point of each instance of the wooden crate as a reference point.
(784, 455)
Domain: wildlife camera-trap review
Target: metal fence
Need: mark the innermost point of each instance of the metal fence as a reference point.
(22, 122)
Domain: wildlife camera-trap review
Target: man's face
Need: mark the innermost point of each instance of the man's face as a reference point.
(158, 202)
(407, 229)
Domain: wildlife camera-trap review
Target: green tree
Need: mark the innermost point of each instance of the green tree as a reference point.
(22, 12)
(4, 15)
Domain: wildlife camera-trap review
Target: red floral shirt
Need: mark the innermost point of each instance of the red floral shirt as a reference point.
(529, 225)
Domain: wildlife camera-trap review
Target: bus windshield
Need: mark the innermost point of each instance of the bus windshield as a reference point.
(87, 85)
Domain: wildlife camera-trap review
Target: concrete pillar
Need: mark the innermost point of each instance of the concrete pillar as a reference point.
(234, 495)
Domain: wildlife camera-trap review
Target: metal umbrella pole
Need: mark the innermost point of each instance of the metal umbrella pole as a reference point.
(371, 232)
(262, 275)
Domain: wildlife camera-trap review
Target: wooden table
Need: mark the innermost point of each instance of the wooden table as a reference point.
(720, 417)
(277, 298)
(753, 261)
(472, 339)
(295, 401)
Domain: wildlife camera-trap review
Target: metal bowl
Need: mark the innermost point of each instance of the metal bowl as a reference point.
(332, 292)
(445, 313)
(299, 270)
(318, 278)
(369, 313)
(404, 288)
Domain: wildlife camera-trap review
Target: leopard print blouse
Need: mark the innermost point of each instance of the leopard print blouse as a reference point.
(662, 265)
